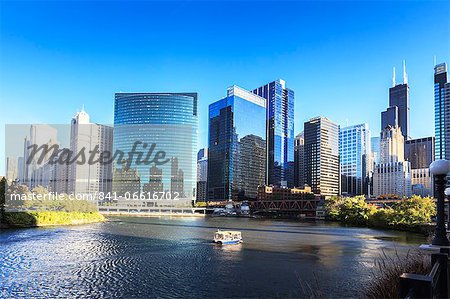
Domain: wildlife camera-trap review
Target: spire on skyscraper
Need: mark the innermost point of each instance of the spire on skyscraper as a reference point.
(405, 76)
(393, 76)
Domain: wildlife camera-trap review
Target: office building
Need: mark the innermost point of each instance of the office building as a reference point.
(392, 176)
(163, 125)
(322, 156)
(280, 132)
(202, 174)
(375, 149)
(40, 135)
(354, 154)
(11, 169)
(442, 112)
(389, 118)
(399, 97)
(237, 145)
(89, 177)
(420, 152)
(299, 161)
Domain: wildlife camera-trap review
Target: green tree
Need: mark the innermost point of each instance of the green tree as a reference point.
(2, 198)
(414, 211)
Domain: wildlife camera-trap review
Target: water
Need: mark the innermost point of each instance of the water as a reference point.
(133, 257)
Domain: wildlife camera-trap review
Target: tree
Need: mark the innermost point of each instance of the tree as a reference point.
(2, 198)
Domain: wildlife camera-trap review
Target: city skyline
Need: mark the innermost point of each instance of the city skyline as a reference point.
(97, 73)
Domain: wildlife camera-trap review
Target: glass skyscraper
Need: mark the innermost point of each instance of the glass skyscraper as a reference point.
(321, 156)
(237, 145)
(149, 125)
(441, 112)
(280, 132)
(354, 153)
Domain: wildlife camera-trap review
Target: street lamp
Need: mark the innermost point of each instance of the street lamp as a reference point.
(439, 170)
(447, 194)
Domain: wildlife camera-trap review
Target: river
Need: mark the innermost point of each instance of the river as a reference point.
(136, 257)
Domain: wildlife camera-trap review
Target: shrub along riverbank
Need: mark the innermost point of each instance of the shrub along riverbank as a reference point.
(45, 209)
(413, 214)
(45, 218)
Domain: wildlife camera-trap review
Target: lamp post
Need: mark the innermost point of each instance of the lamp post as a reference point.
(447, 194)
(439, 169)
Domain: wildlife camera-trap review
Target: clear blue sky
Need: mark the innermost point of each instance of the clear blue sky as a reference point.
(337, 56)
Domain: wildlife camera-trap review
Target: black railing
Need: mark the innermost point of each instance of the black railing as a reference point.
(433, 285)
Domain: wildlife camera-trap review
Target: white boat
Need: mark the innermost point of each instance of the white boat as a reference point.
(226, 237)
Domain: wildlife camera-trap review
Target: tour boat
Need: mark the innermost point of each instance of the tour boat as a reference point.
(226, 237)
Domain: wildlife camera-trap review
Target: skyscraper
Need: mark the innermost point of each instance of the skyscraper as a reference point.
(12, 170)
(299, 160)
(389, 117)
(442, 112)
(202, 173)
(237, 145)
(375, 149)
(152, 123)
(87, 137)
(40, 135)
(322, 156)
(420, 152)
(392, 176)
(354, 154)
(399, 97)
(280, 132)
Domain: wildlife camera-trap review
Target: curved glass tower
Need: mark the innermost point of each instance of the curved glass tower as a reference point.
(157, 135)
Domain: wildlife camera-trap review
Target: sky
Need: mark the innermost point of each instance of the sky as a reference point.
(337, 56)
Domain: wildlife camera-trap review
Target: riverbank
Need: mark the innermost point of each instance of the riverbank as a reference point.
(49, 218)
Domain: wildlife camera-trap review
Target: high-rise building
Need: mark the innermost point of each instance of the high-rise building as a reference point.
(89, 177)
(420, 152)
(399, 97)
(389, 117)
(354, 154)
(392, 176)
(280, 132)
(40, 135)
(202, 173)
(163, 125)
(322, 156)
(237, 145)
(442, 112)
(375, 149)
(202, 165)
(11, 169)
(299, 160)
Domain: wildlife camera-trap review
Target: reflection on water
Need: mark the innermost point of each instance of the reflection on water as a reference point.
(175, 257)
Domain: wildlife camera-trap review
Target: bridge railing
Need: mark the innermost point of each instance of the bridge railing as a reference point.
(433, 285)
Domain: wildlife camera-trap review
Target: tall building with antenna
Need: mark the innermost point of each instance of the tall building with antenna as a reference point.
(398, 97)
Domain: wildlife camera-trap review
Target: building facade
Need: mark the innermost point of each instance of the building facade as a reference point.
(158, 134)
(322, 156)
(420, 152)
(442, 112)
(399, 97)
(202, 173)
(392, 176)
(280, 132)
(354, 154)
(88, 177)
(299, 160)
(237, 145)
